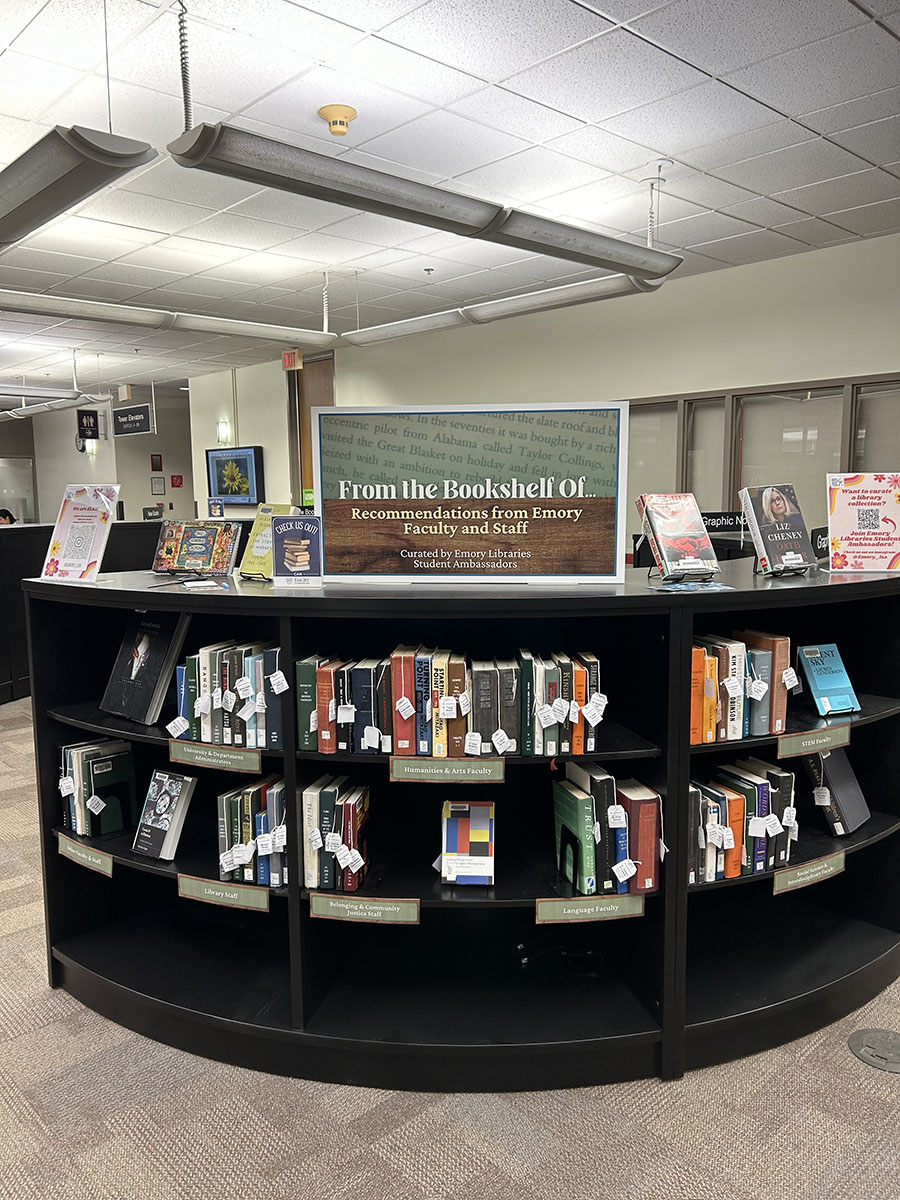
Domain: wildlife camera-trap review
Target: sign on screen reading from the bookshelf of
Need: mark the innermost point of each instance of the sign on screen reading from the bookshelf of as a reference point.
(472, 493)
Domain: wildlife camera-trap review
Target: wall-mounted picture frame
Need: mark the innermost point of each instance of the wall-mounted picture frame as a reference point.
(235, 474)
(155, 462)
(157, 485)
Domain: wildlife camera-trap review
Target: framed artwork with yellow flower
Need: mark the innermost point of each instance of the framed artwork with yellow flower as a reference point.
(235, 474)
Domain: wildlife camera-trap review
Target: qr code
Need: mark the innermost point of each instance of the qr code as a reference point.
(868, 518)
(78, 542)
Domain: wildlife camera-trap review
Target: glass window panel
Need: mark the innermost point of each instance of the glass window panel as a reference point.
(706, 452)
(792, 437)
(651, 455)
(877, 443)
(17, 487)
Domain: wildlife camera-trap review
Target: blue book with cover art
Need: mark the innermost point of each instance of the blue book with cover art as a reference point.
(828, 681)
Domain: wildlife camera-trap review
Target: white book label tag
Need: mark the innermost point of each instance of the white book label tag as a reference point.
(313, 721)
(757, 688)
(248, 710)
(264, 845)
(727, 837)
(592, 713)
(465, 704)
(315, 840)
(715, 836)
(346, 714)
(447, 707)
(789, 817)
(789, 678)
(822, 796)
(240, 855)
(757, 827)
(387, 744)
(332, 841)
(597, 832)
(332, 710)
(405, 707)
(624, 870)
(279, 837)
(560, 709)
(795, 832)
(260, 702)
(229, 699)
(501, 741)
(217, 699)
(473, 743)
(371, 738)
(545, 716)
(342, 854)
(701, 837)
(357, 862)
(773, 825)
(96, 805)
(838, 829)
(176, 728)
(709, 688)
(203, 705)
(244, 687)
(574, 712)
(278, 682)
(67, 784)
(733, 686)
(226, 860)
(616, 817)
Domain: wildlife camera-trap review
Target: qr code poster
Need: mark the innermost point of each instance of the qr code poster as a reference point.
(79, 535)
(864, 521)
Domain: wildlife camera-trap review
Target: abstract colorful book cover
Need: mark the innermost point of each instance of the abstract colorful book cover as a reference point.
(467, 855)
(863, 520)
(207, 547)
(81, 530)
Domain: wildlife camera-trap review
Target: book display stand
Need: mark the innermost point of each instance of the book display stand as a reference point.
(437, 987)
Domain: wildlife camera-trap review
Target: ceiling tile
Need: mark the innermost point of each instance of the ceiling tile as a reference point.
(258, 268)
(16, 135)
(691, 118)
(147, 212)
(403, 170)
(46, 260)
(167, 260)
(807, 163)
(500, 109)
(611, 74)
(855, 112)
(848, 191)
(392, 66)
(442, 141)
(28, 85)
(20, 279)
(528, 175)
(278, 21)
(413, 270)
(374, 229)
(704, 227)
(602, 149)
(213, 251)
(204, 285)
(705, 190)
(228, 69)
(772, 137)
(89, 238)
(382, 258)
(295, 106)
(883, 217)
(721, 37)
(14, 16)
(166, 178)
(464, 32)
(123, 273)
(618, 203)
(623, 10)
(881, 8)
(751, 247)
(296, 212)
(96, 289)
(230, 229)
(324, 247)
(763, 211)
(483, 254)
(71, 32)
(843, 67)
(879, 141)
(363, 14)
(814, 232)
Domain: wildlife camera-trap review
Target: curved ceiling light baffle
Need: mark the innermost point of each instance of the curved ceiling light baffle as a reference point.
(225, 150)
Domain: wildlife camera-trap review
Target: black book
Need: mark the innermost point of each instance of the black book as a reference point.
(144, 665)
(601, 787)
(846, 809)
(485, 716)
(163, 816)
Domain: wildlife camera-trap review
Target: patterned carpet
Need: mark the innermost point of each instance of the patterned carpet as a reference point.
(89, 1111)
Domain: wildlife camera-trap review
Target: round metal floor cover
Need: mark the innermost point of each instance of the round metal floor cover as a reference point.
(878, 1047)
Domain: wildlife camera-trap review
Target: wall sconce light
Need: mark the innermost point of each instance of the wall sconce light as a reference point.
(223, 433)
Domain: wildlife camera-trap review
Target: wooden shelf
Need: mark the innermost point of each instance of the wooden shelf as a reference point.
(88, 715)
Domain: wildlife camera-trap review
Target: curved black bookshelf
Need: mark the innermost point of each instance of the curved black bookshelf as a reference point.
(449, 1004)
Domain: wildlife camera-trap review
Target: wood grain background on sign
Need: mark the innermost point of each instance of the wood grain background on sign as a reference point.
(557, 546)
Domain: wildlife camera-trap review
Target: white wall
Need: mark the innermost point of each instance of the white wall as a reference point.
(816, 315)
(173, 441)
(57, 462)
(254, 402)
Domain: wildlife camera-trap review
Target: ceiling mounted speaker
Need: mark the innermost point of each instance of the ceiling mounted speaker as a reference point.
(62, 169)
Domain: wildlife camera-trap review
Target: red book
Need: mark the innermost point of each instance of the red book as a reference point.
(403, 687)
(326, 706)
(642, 805)
(356, 812)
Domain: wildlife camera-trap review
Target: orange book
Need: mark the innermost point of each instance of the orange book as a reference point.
(580, 696)
(326, 710)
(711, 704)
(736, 811)
(698, 674)
(403, 686)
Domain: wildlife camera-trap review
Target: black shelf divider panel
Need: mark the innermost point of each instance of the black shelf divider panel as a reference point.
(803, 718)
(446, 1005)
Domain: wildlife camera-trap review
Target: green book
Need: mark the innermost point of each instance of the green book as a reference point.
(526, 683)
(234, 803)
(191, 677)
(305, 673)
(112, 780)
(573, 816)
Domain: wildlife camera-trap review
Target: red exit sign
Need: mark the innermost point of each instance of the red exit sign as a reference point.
(292, 360)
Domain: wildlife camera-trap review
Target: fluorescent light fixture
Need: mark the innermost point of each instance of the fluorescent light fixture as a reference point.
(225, 150)
(62, 169)
(155, 318)
(223, 433)
(556, 297)
(16, 391)
(386, 333)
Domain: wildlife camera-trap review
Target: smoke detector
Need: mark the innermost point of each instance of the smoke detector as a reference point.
(338, 117)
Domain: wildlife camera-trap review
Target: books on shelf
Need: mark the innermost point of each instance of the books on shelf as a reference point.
(827, 679)
(737, 686)
(730, 655)
(574, 817)
(163, 814)
(253, 833)
(257, 557)
(144, 664)
(836, 791)
(780, 649)
(467, 842)
(204, 547)
(231, 695)
(334, 815)
(97, 787)
(777, 528)
(673, 526)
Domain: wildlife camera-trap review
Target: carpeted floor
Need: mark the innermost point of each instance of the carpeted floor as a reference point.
(89, 1111)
